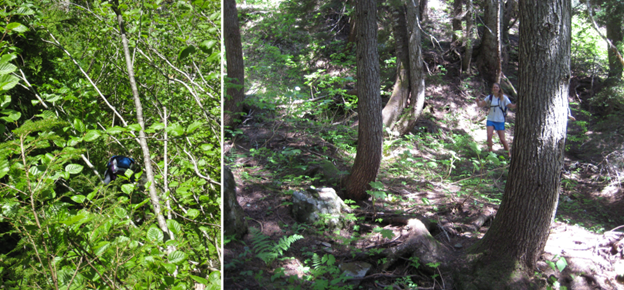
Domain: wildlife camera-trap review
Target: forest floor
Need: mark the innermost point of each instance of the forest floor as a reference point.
(440, 171)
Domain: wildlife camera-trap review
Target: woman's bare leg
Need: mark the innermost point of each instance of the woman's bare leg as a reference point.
(490, 132)
(501, 136)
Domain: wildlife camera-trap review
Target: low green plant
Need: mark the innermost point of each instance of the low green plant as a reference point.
(267, 250)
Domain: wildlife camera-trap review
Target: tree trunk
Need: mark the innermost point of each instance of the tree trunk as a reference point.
(235, 93)
(521, 227)
(417, 75)
(615, 35)
(511, 12)
(147, 161)
(423, 5)
(400, 92)
(489, 59)
(234, 223)
(466, 60)
(370, 132)
(457, 19)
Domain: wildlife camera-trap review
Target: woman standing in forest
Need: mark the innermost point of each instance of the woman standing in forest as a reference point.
(498, 103)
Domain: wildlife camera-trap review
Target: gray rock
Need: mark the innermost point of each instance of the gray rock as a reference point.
(355, 271)
(311, 205)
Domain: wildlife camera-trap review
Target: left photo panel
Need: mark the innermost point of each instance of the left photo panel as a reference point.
(110, 155)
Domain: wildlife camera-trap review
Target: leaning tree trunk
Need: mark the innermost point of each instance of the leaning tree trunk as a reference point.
(235, 93)
(401, 90)
(489, 59)
(417, 75)
(370, 132)
(466, 60)
(521, 227)
(147, 161)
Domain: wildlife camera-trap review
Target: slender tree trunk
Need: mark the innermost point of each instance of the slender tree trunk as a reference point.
(400, 92)
(489, 59)
(423, 6)
(615, 35)
(235, 93)
(147, 161)
(521, 227)
(370, 132)
(417, 75)
(466, 60)
(457, 19)
(510, 12)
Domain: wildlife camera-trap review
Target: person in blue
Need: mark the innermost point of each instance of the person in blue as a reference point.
(117, 165)
(498, 103)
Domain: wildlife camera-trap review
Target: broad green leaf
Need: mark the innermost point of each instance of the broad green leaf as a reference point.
(12, 115)
(78, 198)
(24, 11)
(206, 147)
(7, 82)
(8, 57)
(135, 127)
(192, 127)
(215, 278)
(6, 101)
(155, 234)
(103, 246)
(561, 264)
(169, 267)
(128, 173)
(127, 188)
(176, 257)
(79, 125)
(4, 167)
(157, 126)
(200, 280)
(120, 212)
(174, 227)
(92, 135)
(115, 130)
(7, 68)
(175, 130)
(206, 45)
(73, 168)
(17, 27)
(186, 52)
(192, 213)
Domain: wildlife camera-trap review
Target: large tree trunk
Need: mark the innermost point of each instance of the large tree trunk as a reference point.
(235, 68)
(615, 35)
(400, 92)
(521, 227)
(234, 222)
(370, 132)
(466, 60)
(417, 75)
(489, 59)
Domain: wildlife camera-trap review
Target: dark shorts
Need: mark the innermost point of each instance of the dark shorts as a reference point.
(498, 126)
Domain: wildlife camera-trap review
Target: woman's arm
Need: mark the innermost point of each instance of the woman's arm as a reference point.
(481, 103)
(511, 106)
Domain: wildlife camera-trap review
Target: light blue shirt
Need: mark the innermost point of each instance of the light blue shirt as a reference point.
(496, 108)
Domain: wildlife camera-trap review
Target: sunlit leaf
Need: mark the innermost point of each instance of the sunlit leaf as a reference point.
(192, 127)
(155, 234)
(207, 45)
(79, 125)
(121, 212)
(4, 167)
(78, 198)
(174, 227)
(192, 213)
(92, 135)
(127, 188)
(73, 168)
(115, 130)
(199, 280)
(176, 257)
(17, 27)
(7, 68)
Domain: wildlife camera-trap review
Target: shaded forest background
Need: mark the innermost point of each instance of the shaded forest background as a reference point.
(298, 129)
(82, 81)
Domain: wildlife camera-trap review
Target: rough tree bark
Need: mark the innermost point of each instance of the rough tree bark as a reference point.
(521, 227)
(490, 58)
(235, 93)
(370, 132)
(417, 74)
(401, 90)
(147, 161)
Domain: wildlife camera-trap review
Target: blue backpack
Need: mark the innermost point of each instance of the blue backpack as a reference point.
(119, 163)
(503, 109)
